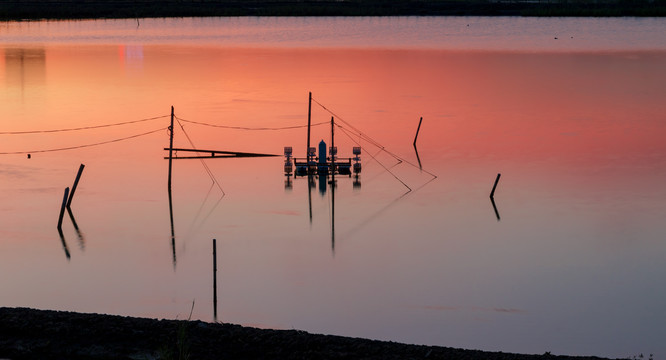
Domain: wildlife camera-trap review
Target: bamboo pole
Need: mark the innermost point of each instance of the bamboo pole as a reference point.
(214, 279)
(417, 131)
(62, 209)
(76, 183)
(170, 147)
(332, 146)
(492, 193)
(307, 150)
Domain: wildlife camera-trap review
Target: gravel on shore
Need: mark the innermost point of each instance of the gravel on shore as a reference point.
(43, 334)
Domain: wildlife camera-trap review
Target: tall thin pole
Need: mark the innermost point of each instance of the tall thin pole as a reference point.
(333, 212)
(62, 209)
(173, 235)
(492, 193)
(332, 145)
(170, 147)
(417, 131)
(307, 150)
(214, 279)
(332, 185)
(76, 183)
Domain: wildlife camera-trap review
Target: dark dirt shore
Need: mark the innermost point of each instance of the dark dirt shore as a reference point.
(41, 334)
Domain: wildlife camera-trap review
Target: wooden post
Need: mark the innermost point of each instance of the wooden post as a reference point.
(333, 213)
(173, 236)
(417, 131)
(170, 147)
(62, 209)
(492, 193)
(76, 183)
(332, 146)
(307, 150)
(214, 280)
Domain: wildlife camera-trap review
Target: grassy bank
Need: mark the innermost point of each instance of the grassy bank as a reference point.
(38, 334)
(96, 9)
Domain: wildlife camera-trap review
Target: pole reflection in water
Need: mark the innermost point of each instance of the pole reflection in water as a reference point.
(64, 244)
(311, 185)
(492, 201)
(82, 240)
(173, 234)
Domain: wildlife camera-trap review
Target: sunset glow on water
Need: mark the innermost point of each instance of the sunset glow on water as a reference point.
(572, 261)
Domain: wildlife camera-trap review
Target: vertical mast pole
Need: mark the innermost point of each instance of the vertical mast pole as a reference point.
(307, 150)
(170, 147)
(332, 146)
(214, 280)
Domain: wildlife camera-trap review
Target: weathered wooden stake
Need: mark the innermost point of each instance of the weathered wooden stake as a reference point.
(492, 193)
(76, 183)
(62, 209)
(170, 147)
(307, 150)
(333, 145)
(417, 131)
(214, 280)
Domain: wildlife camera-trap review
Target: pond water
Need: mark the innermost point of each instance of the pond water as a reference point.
(569, 258)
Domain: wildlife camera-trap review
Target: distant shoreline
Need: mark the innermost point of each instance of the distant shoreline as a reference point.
(14, 10)
(43, 334)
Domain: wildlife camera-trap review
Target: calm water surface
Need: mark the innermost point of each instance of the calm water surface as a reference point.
(571, 112)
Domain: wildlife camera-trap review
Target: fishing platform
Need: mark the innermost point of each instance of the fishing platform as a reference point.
(324, 163)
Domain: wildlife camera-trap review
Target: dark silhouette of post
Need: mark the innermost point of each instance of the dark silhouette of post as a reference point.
(76, 183)
(333, 151)
(333, 213)
(214, 280)
(62, 213)
(62, 209)
(307, 150)
(173, 236)
(492, 193)
(415, 149)
(170, 147)
(417, 131)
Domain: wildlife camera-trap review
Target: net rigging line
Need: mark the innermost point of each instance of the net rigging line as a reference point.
(82, 146)
(250, 128)
(81, 128)
(371, 140)
(208, 171)
(378, 162)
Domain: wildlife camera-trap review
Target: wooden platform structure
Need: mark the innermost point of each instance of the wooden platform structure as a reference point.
(339, 166)
(211, 154)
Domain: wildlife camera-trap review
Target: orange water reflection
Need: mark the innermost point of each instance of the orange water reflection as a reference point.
(578, 138)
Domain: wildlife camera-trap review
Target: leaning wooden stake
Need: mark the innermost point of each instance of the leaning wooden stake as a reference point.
(492, 193)
(76, 183)
(62, 209)
(214, 280)
(417, 131)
